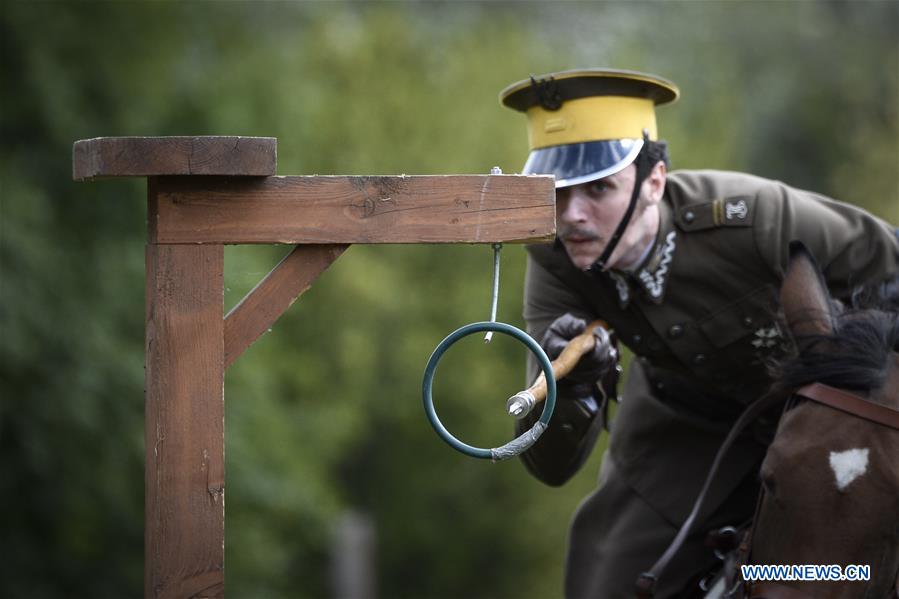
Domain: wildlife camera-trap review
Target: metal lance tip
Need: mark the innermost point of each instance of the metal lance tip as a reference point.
(520, 404)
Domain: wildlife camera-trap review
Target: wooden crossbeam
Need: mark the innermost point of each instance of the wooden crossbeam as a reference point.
(386, 209)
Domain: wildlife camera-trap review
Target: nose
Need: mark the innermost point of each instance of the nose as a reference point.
(571, 206)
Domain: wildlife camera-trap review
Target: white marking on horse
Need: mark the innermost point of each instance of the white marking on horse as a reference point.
(848, 465)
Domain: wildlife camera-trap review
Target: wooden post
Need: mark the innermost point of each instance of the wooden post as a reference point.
(204, 192)
(185, 444)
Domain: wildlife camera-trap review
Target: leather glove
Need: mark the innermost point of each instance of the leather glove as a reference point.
(578, 419)
(592, 365)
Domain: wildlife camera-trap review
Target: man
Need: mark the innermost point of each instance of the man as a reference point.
(685, 268)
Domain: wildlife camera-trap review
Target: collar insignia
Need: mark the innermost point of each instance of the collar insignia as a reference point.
(654, 282)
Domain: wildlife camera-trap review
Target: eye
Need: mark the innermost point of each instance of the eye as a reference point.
(597, 188)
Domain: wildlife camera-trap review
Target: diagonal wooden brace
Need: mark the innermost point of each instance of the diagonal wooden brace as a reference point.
(292, 277)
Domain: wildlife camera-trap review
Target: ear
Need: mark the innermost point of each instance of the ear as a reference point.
(654, 185)
(806, 302)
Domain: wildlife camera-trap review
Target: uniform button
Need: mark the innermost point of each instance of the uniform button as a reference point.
(747, 321)
(689, 217)
(676, 331)
(637, 339)
(699, 359)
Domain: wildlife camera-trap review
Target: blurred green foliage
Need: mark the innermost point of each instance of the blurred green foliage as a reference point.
(323, 414)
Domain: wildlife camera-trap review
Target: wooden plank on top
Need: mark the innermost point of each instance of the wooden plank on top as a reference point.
(347, 209)
(102, 157)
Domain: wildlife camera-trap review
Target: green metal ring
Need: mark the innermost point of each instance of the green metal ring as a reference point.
(469, 329)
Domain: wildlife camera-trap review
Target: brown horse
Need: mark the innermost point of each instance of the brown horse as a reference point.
(830, 478)
(829, 504)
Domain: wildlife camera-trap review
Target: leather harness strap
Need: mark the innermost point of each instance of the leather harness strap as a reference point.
(851, 403)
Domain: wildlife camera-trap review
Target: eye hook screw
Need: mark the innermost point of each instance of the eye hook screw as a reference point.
(496, 250)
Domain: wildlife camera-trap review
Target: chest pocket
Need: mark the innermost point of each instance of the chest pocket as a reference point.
(745, 330)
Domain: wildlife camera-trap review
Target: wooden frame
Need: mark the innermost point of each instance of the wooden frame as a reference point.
(204, 192)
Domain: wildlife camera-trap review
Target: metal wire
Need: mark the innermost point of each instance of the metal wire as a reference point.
(496, 249)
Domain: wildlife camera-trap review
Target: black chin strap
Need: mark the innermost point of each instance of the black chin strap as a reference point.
(644, 167)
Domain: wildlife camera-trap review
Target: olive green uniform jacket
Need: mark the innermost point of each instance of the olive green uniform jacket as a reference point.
(700, 318)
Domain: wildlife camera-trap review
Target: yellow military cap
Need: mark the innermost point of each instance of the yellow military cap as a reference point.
(587, 124)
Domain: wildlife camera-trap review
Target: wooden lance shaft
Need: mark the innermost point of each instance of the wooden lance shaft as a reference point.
(520, 404)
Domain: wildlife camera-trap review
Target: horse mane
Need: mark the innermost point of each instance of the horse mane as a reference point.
(856, 355)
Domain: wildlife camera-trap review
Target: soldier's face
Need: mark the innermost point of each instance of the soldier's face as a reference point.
(587, 215)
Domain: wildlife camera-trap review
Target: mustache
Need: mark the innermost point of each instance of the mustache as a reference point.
(568, 231)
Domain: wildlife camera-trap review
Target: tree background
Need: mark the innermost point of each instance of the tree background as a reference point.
(323, 414)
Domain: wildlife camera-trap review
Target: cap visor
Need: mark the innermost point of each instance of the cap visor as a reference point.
(573, 164)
